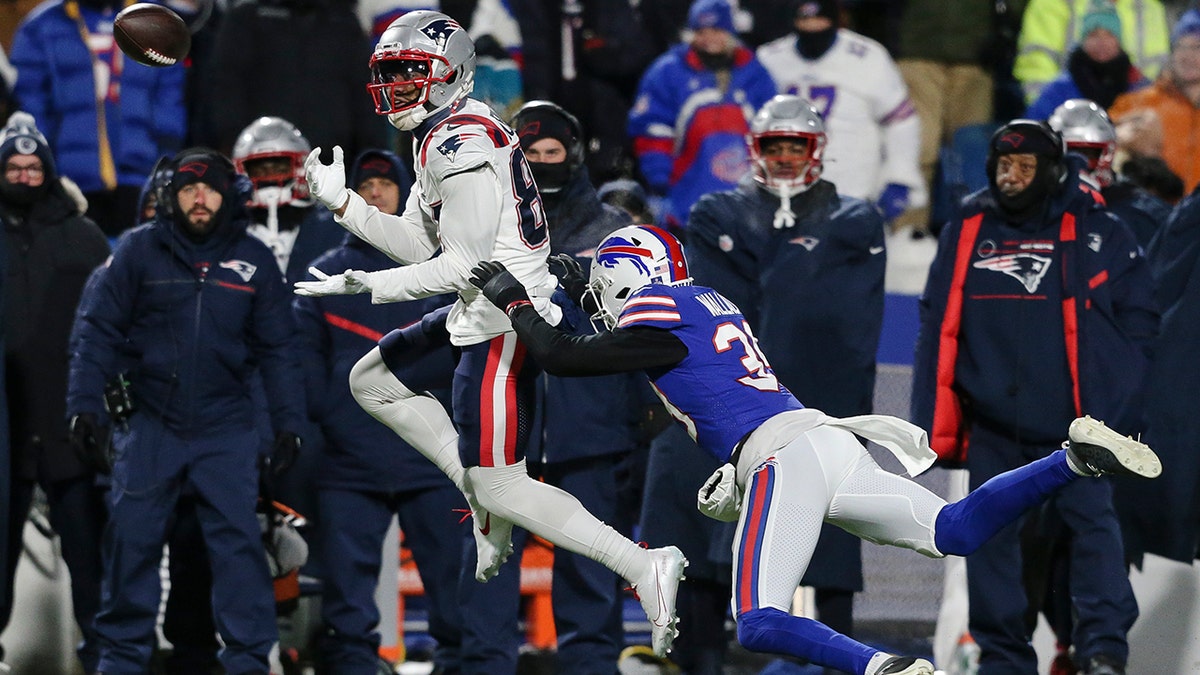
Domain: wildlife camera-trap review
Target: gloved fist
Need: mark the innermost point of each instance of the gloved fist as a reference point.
(87, 439)
(327, 182)
(720, 498)
(570, 275)
(350, 282)
(284, 452)
(499, 285)
(893, 201)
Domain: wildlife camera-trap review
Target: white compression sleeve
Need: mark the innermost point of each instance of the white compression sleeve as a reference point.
(555, 515)
(420, 420)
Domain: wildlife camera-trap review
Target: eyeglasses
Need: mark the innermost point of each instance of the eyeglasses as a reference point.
(12, 172)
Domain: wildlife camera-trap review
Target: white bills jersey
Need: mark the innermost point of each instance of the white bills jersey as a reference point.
(872, 126)
(474, 199)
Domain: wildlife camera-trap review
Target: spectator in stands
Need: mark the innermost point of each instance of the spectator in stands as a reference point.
(874, 132)
(942, 51)
(1050, 27)
(258, 68)
(691, 115)
(51, 249)
(1097, 69)
(107, 118)
(1174, 99)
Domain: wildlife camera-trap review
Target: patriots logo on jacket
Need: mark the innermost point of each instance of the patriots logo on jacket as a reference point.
(807, 241)
(450, 146)
(1026, 268)
(240, 267)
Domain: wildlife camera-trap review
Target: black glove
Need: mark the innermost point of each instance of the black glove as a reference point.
(87, 439)
(498, 285)
(570, 275)
(284, 452)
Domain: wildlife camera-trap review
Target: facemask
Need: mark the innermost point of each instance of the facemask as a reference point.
(21, 195)
(813, 45)
(550, 177)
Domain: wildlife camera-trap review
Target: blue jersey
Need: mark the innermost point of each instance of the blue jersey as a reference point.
(724, 388)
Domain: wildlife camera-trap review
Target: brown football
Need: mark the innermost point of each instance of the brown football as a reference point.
(152, 34)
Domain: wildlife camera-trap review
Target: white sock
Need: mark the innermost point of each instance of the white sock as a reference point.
(557, 516)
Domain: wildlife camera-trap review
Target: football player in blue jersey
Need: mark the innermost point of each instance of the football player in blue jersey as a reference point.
(701, 357)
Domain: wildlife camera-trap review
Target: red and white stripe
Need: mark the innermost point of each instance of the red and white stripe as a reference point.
(498, 402)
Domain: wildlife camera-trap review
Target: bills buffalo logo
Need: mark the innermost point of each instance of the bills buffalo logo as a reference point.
(1012, 139)
(240, 267)
(440, 30)
(621, 249)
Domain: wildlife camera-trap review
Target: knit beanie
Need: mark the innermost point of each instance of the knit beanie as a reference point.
(376, 164)
(1188, 24)
(201, 165)
(1101, 14)
(830, 9)
(21, 137)
(711, 14)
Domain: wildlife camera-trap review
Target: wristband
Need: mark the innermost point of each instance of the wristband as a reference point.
(512, 306)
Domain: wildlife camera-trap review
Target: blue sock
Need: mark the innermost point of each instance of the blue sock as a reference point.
(963, 526)
(772, 631)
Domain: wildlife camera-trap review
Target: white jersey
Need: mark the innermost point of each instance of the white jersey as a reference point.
(475, 199)
(874, 134)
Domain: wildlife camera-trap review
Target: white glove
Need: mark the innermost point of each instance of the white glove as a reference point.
(720, 498)
(327, 182)
(350, 282)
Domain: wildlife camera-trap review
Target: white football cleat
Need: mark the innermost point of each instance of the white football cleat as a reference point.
(493, 543)
(1098, 450)
(656, 590)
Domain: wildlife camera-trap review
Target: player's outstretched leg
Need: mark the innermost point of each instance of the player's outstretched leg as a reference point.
(558, 517)
(423, 423)
(1094, 449)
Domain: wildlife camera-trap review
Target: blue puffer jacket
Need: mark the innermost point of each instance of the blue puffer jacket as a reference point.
(144, 114)
(336, 331)
(193, 322)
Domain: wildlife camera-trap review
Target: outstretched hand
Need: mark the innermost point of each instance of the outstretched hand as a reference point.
(570, 275)
(327, 182)
(499, 286)
(350, 282)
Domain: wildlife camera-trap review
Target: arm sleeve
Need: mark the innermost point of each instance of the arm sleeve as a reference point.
(101, 324)
(469, 225)
(404, 238)
(313, 350)
(616, 351)
(652, 128)
(734, 271)
(901, 129)
(274, 342)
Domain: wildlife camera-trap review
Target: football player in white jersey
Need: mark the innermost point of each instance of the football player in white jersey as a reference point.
(874, 133)
(474, 199)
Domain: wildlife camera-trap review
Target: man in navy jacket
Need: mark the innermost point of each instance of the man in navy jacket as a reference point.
(1038, 309)
(196, 306)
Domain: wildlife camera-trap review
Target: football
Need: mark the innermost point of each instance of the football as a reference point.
(152, 34)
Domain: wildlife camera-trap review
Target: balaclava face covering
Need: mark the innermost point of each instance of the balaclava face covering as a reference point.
(537, 123)
(21, 137)
(812, 45)
(1027, 137)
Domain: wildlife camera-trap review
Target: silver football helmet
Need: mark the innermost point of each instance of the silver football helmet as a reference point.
(271, 151)
(424, 62)
(793, 118)
(629, 259)
(1088, 131)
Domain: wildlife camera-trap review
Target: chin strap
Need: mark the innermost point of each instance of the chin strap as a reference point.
(784, 216)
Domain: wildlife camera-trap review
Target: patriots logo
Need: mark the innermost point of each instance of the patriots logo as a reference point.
(1012, 139)
(450, 146)
(1026, 268)
(808, 242)
(440, 30)
(240, 267)
(196, 168)
(376, 165)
